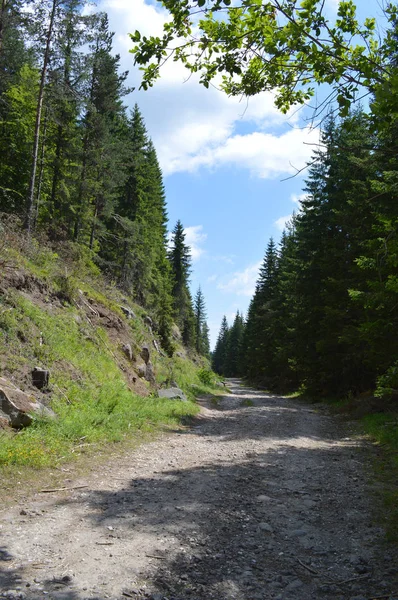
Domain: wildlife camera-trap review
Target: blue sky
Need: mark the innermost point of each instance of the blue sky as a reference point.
(223, 161)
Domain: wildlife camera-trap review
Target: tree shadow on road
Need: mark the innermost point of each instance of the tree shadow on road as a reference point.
(239, 529)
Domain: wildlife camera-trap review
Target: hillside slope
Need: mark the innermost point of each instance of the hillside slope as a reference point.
(57, 313)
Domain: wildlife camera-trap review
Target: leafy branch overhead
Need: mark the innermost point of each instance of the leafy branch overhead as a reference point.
(281, 45)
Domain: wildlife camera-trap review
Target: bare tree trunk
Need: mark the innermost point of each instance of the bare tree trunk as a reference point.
(3, 6)
(41, 170)
(93, 226)
(36, 140)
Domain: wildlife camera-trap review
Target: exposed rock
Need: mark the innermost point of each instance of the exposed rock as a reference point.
(266, 527)
(40, 377)
(145, 354)
(150, 373)
(173, 393)
(176, 333)
(141, 370)
(148, 321)
(179, 354)
(130, 314)
(156, 346)
(4, 423)
(128, 351)
(17, 406)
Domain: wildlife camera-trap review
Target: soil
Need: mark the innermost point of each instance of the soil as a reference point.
(261, 498)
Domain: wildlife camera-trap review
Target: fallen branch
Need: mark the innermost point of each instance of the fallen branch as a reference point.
(308, 568)
(104, 543)
(63, 489)
(337, 582)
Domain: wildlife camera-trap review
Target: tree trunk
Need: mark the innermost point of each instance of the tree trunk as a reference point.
(3, 7)
(36, 140)
(41, 171)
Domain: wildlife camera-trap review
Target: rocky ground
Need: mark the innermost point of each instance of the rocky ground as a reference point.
(263, 497)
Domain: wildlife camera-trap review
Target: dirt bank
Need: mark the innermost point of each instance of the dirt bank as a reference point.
(262, 498)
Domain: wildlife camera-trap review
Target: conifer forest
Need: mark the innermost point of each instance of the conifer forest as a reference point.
(324, 314)
(78, 168)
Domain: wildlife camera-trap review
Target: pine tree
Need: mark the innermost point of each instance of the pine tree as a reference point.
(220, 350)
(233, 366)
(103, 145)
(259, 339)
(200, 320)
(180, 260)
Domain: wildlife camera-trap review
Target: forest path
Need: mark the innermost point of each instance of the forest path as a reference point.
(263, 497)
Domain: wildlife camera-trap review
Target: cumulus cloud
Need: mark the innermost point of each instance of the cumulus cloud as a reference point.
(194, 128)
(194, 238)
(242, 283)
(282, 222)
(298, 198)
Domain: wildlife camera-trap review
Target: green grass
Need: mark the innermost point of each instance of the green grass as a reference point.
(383, 429)
(90, 396)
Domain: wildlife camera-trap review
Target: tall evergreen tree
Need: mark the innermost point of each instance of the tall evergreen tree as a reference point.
(180, 260)
(220, 350)
(259, 335)
(233, 366)
(200, 320)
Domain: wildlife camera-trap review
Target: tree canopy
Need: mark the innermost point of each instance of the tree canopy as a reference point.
(285, 46)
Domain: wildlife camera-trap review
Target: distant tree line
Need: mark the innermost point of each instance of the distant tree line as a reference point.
(324, 315)
(75, 164)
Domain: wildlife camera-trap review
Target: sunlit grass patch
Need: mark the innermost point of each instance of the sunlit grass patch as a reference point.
(89, 394)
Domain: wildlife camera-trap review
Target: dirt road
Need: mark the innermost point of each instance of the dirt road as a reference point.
(262, 498)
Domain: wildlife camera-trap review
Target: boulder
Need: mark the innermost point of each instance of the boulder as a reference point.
(173, 393)
(150, 373)
(145, 354)
(128, 351)
(141, 370)
(148, 320)
(18, 407)
(130, 314)
(40, 377)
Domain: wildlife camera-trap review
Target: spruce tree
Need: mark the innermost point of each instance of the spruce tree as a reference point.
(180, 261)
(200, 320)
(220, 351)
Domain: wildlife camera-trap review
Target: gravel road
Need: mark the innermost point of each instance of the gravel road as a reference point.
(263, 497)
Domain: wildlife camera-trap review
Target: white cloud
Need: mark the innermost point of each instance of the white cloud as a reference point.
(195, 128)
(212, 278)
(194, 238)
(298, 198)
(282, 222)
(242, 283)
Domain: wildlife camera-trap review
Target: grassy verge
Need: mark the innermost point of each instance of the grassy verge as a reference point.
(89, 393)
(383, 429)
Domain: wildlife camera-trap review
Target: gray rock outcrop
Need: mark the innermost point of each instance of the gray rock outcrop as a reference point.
(40, 378)
(150, 373)
(130, 314)
(173, 393)
(145, 354)
(18, 407)
(128, 351)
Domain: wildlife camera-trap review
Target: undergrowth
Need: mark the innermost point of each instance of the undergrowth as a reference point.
(383, 428)
(89, 395)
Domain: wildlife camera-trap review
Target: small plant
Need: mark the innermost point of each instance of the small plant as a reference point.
(206, 376)
(67, 287)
